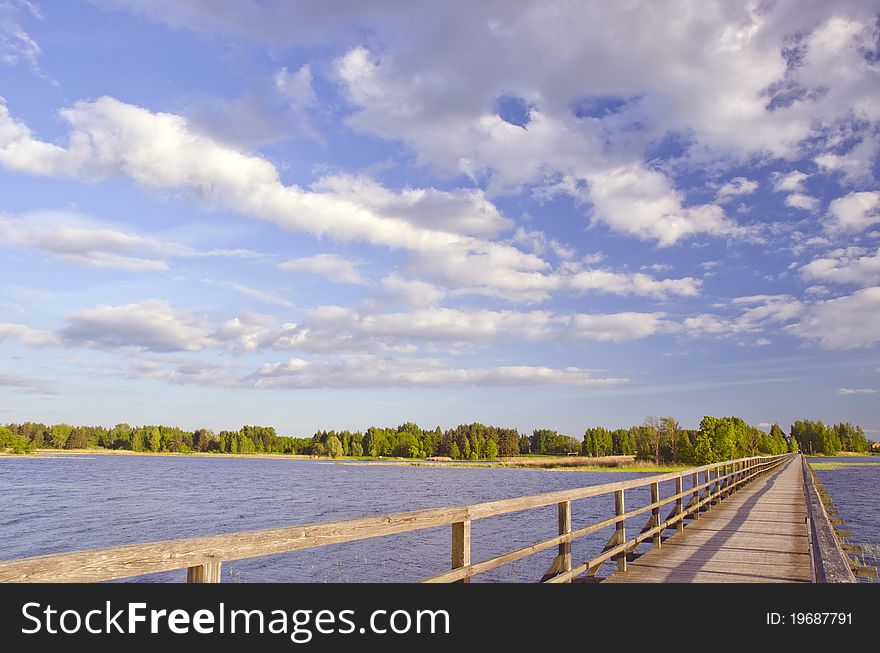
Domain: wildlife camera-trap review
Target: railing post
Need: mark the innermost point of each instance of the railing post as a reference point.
(565, 529)
(709, 489)
(620, 529)
(207, 573)
(461, 545)
(655, 514)
(679, 490)
(696, 497)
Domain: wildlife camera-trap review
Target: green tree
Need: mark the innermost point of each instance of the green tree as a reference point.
(59, 433)
(454, 451)
(703, 453)
(334, 447)
(5, 437)
(491, 449)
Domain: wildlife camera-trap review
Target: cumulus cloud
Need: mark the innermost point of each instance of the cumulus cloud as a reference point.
(854, 211)
(802, 201)
(735, 187)
(151, 325)
(852, 265)
(848, 322)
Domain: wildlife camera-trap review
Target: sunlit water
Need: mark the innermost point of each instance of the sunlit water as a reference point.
(69, 503)
(854, 490)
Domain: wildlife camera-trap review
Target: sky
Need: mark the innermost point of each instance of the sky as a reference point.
(525, 213)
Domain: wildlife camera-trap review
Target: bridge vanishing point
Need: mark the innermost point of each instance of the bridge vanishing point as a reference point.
(757, 519)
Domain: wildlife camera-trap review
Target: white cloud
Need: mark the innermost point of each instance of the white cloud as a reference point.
(855, 166)
(261, 295)
(791, 182)
(76, 239)
(359, 371)
(635, 200)
(330, 266)
(735, 187)
(637, 283)
(848, 322)
(462, 211)
(296, 87)
(413, 292)
(802, 201)
(854, 211)
(858, 391)
(16, 45)
(24, 335)
(152, 325)
(853, 265)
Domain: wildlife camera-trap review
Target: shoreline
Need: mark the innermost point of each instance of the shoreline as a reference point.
(608, 464)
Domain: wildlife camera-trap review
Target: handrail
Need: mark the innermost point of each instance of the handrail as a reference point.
(829, 563)
(202, 556)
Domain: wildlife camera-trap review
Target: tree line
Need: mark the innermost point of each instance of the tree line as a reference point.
(657, 439)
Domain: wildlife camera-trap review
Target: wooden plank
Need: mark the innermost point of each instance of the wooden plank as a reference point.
(757, 535)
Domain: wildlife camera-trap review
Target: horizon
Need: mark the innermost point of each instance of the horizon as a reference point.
(549, 216)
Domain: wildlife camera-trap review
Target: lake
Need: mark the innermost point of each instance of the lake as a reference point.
(68, 503)
(854, 490)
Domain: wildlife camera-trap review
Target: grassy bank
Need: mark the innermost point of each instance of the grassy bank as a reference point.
(539, 463)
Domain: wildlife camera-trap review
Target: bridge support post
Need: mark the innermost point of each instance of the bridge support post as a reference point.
(696, 497)
(655, 514)
(708, 490)
(564, 510)
(620, 529)
(679, 490)
(207, 573)
(461, 545)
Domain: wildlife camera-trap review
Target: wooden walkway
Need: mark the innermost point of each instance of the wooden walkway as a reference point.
(758, 535)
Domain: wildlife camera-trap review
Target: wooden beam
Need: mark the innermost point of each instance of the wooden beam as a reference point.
(461, 545)
(207, 573)
(679, 484)
(620, 528)
(655, 514)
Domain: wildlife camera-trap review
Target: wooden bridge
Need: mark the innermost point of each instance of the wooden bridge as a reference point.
(758, 519)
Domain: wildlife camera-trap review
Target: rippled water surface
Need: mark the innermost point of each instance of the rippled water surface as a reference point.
(854, 489)
(70, 503)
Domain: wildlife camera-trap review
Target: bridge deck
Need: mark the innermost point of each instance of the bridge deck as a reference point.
(757, 535)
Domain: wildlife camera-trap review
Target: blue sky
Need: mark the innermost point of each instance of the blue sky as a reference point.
(331, 215)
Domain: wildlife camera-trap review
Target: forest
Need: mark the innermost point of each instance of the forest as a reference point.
(658, 439)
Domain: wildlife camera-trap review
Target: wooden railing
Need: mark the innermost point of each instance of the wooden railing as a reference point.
(828, 561)
(203, 556)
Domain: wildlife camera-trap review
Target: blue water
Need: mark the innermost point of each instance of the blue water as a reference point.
(854, 491)
(69, 503)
